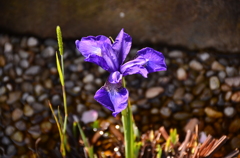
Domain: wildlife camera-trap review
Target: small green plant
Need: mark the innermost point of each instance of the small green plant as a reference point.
(62, 122)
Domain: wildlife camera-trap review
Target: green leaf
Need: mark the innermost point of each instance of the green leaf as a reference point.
(59, 37)
(59, 70)
(159, 151)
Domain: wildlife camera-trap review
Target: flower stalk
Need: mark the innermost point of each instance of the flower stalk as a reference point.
(127, 120)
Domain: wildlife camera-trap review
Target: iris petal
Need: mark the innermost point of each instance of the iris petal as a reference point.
(112, 96)
(115, 77)
(92, 49)
(109, 55)
(155, 60)
(122, 46)
(135, 67)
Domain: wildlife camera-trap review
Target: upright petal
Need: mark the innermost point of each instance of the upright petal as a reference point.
(109, 55)
(112, 96)
(92, 49)
(155, 60)
(122, 46)
(135, 67)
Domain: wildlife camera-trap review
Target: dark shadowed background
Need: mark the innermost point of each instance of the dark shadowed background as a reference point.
(193, 24)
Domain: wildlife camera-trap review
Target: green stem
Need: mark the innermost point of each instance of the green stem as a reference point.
(127, 120)
(64, 97)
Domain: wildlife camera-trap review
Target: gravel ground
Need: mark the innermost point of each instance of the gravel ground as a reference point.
(202, 85)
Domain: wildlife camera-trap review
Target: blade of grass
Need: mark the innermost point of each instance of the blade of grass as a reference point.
(62, 149)
(59, 70)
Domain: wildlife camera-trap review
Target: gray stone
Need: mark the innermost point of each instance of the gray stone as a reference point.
(32, 41)
(175, 54)
(204, 56)
(214, 83)
(8, 47)
(48, 52)
(217, 66)
(24, 63)
(153, 92)
(195, 65)
(181, 74)
(13, 96)
(231, 71)
(229, 111)
(33, 70)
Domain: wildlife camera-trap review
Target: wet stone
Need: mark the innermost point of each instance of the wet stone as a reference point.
(212, 113)
(153, 92)
(17, 114)
(216, 66)
(214, 83)
(229, 111)
(195, 65)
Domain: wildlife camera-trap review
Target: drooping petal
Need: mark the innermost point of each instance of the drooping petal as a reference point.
(92, 49)
(135, 67)
(112, 96)
(122, 46)
(155, 60)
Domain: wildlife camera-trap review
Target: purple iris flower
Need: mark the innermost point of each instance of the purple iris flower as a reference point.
(111, 56)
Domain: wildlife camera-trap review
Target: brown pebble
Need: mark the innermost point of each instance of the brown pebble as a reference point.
(212, 113)
(236, 96)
